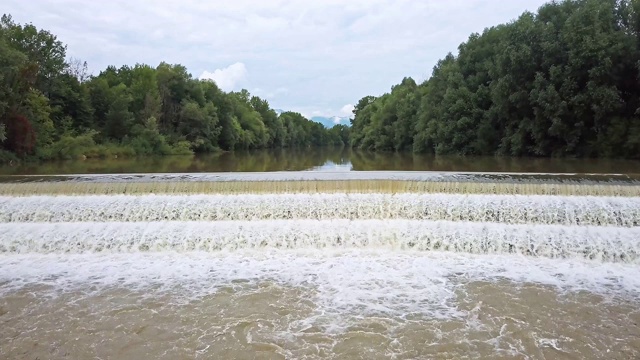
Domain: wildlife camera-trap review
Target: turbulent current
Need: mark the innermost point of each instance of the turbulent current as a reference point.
(344, 274)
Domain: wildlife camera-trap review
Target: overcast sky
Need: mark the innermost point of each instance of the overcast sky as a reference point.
(316, 57)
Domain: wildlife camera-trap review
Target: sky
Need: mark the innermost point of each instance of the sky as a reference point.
(315, 57)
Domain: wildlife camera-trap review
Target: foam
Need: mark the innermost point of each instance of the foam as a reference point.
(509, 209)
(338, 281)
(607, 244)
(397, 244)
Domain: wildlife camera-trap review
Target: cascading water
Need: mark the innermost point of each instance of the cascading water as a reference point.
(308, 262)
(553, 241)
(603, 228)
(317, 186)
(508, 209)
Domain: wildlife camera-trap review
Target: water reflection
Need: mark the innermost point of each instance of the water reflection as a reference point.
(419, 162)
(324, 159)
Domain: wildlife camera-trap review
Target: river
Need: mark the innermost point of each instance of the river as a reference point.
(320, 254)
(324, 159)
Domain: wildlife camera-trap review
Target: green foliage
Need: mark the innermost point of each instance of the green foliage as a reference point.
(7, 157)
(40, 47)
(109, 150)
(562, 82)
(339, 135)
(298, 131)
(100, 97)
(180, 148)
(72, 147)
(147, 140)
(119, 119)
(37, 109)
(51, 109)
(199, 125)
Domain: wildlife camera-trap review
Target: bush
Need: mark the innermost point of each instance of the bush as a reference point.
(109, 150)
(180, 148)
(72, 147)
(7, 157)
(147, 140)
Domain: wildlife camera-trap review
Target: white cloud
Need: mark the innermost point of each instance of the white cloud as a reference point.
(281, 91)
(269, 95)
(347, 110)
(227, 78)
(337, 120)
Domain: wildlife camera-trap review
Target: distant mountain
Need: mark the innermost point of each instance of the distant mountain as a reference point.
(329, 122)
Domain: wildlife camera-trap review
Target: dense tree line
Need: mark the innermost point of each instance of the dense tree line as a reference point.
(50, 108)
(561, 82)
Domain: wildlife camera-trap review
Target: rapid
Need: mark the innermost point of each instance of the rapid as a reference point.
(307, 266)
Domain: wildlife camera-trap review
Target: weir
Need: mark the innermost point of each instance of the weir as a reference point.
(314, 186)
(508, 209)
(610, 244)
(416, 212)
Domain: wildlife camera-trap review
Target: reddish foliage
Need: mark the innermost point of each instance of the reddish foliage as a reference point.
(21, 138)
(29, 74)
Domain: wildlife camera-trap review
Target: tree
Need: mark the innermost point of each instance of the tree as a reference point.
(100, 97)
(78, 69)
(270, 119)
(562, 82)
(172, 86)
(21, 136)
(119, 119)
(148, 140)
(199, 126)
(15, 78)
(41, 48)
(52, 108)
(36, 108)
(339, 135)
(68, 98)
(145, 97)
(254, 132)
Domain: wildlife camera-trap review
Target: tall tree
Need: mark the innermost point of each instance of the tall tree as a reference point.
(119, 119)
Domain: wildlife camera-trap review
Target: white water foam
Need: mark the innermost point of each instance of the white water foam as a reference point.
(509, 209)
(360, 253)
(367, 282)
(607, 244)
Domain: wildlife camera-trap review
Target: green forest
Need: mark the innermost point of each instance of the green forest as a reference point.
(51, 109)
(562, 82)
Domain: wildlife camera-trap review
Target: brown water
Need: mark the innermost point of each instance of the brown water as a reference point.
(406, 310)
(268, 321)
(324, 159)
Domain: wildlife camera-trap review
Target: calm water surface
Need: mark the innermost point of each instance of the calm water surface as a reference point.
(324, 159)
